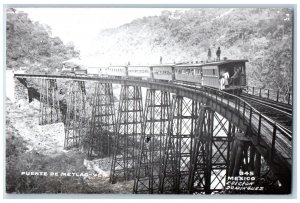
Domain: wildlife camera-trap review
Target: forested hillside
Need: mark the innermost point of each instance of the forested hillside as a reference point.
(263, 36)
(29, 44)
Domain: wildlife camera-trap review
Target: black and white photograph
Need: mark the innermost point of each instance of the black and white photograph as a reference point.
(160, 100)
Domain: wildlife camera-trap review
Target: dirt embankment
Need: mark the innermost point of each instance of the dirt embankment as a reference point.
(34, 148)
(47, 139)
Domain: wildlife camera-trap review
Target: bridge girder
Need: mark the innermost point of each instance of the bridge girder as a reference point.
(234, 113)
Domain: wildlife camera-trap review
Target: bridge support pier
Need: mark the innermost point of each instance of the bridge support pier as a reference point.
(179, 146)
(198, 149)
(244, 156)
(200, 173)
(49, 103)
(129, 130)
(75, 123)
(102, 129)
(150, 159)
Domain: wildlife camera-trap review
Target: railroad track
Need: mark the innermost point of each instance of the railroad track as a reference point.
(278, 105)
(278, 112)
(270, 101)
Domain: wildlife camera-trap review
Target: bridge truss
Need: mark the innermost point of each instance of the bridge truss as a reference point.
(49, 105)
(75, 123)
(102, 126)
(179, 143)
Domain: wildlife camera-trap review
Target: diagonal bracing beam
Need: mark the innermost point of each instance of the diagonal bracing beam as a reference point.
(102, 127)
(75, 124)
(211, 155)
(200, 173)
(150, 159)
(221, 139)
(49, 102)
(179, 146)
(129, 130)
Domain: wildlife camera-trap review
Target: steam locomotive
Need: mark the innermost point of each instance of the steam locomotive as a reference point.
(73, 68)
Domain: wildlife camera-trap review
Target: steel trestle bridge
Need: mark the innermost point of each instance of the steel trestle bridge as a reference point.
(184, 139)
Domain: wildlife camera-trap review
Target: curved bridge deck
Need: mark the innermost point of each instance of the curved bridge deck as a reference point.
(270, 138)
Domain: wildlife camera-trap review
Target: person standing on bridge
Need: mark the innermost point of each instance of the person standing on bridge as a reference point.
(160, 59)
(208, 55)
(222, 82)
(218, 54)
(226, 79)
(236, 76)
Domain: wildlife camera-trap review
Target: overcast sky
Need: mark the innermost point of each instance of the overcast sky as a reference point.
(82, 24)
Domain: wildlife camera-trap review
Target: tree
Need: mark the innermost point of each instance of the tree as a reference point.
(263, 36)
(30, 44)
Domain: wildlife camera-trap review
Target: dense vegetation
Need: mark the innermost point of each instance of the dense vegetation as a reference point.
(29, 44)
(263, 36)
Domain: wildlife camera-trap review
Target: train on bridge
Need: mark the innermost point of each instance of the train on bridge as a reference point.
(266, 124)
(227, 75)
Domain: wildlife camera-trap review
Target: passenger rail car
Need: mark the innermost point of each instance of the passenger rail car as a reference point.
(227, 75)
(189, 72)
(210, 74)
(233, 72)
(163, 72)
(116, 71)
(93, 71)
(141, 72)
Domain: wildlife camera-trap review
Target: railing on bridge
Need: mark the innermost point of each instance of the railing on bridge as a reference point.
(258, 122)
(275, 95)
(264, 130)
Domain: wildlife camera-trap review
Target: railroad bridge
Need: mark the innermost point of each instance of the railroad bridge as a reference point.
(179, 139)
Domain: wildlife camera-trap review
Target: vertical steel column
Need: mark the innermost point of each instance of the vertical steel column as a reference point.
(199, 174)
(129, 130)
(247, 160)
(179, 147)
(150, 159)
(244, 156)
(75, 124)
(210, 160)
(257, 164)
(49, 103)
(102, 127)
(231, 134)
